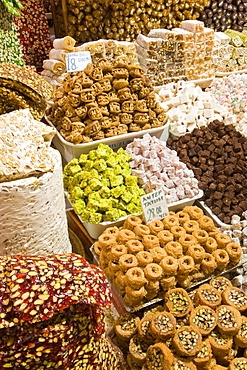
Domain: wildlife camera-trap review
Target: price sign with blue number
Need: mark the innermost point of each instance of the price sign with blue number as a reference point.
(154, 206)
(77, 61)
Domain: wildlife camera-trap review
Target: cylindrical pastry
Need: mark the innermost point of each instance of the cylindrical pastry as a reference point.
(159, 356)
(169, 265)
(97, 248)
(135, 277)
(119, 281)
(235, 252)
(182, 217)
(187, 341)
(126, 261)
(138, 349)
(144, 329)
(208, 264)
(174, 249)
(135, 293)
(235, 297)
(126, 326)
(197, 252)
(221, 258)
(170, 221)
(167, 283)
(117, 251)
(208, 295)
(187, 240)
(163, 325)
(152, 287)
(220, 283)
(153, 271)
(210, 245)
(114, 230)
(124, 235)
(131, 222)
(134, 246)
(156, 226)
(238, 363)
(106, 241)
(144, 258)
(203, 318)
(206, 223)
(190, 226)
(194, 212)
(228, 319)
(177, 231)
(150, 242)
(178, 302)
(200, 235)
(158, 254)
(203, 357)
(141, 230)
(240, 338)
(185, 265)
(165, 236)
(222, 240)
(220, 344)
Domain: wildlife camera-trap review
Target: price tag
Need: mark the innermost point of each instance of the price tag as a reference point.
(154, 206)
(77, 61)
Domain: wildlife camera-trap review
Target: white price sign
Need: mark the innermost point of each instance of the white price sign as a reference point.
(154, 206)
(77, 61)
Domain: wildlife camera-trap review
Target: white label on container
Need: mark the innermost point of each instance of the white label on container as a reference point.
(154, 206)
(77, 61)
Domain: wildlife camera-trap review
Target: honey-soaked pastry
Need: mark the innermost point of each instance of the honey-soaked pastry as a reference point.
(207, 295)
(240, 339)
(185, 265)
(235, 297)
(210, 245)
(158, 254)
(117, 251)
(234, 251)
(186, 240)
(200, 235)
(228, 319)
(135, 294)
(178, 302)
(167, 283)
(126, 326)
(135, 277)
(206, 223)
(197, 252)
(153, 271)
(239, 363)
(152, 287)
(204, 356)
(221, 258)
(131, 361)
(126, 261)
(106, 240)
(156, 226)
(114, 230)
(150, 241)
(97, 248)
(141, 230)
(194, 212)
(174, 249)
(120, 281)
(218, 367)
(131, 222)
(165, 236)
(170, 221)
(222, 240)
(220, 283)
(144, 258)
(125, 235)
(177, 231)
(169, 265)
(190, 226)
(163, 325)
(208, 264)
(203, 318)
(182, 364)
(159, 357)
(182, 217)
(144, 328)
(134, 246)
(187, 341)
(138, 349)
(220, 343)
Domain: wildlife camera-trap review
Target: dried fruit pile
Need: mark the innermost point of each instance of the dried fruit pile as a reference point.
(205, 329)
(51, 314)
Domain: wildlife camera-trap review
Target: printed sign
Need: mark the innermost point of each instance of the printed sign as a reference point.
(77, 61)
(154, 206)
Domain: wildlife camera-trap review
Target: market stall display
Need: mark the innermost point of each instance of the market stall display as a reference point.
(54, 320)
(32, 211)
(120, 20)
(198, 337)
(217, 156)
(142, 261)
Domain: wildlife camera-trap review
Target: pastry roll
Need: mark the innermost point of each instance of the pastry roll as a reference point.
(178, 302)
(208, 264)
(169, 265)
(240, 338)
(235, 297)
(220, 283)
(144, 258)
(210, 245)
(126, 326)
(197, 252)
(156, 226)
(222, 240)
(125, 235)
(163, 325)
(190, 226)
(206, 223)
(229, 320)
(238, 363)
(170, 221)
(158, 254)
(203, 357)
(58, 54)
(234, 251)
(185, 265)
(117, 251)
(174, 249)
(131, 222)
(165, 236)
(182, 217)
(208, 296)
(150, 241)
(153, 272)
(56, 66)
(66, 42)
(159, 357)
(135, 277)
(220, 344)
(194, 212)
(134, 246)
(221, 258)
(187, 341)
(186, 241)
(138, 349)
(177, 231)
(144, 329)
(200, 235)
(203, 318)
(126, 261)
(141, 230)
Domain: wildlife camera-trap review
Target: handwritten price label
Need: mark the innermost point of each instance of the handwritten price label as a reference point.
(154, 206)
(77, 61)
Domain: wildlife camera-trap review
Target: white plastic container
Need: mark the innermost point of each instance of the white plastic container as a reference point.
(95, 230)
(70, 151)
